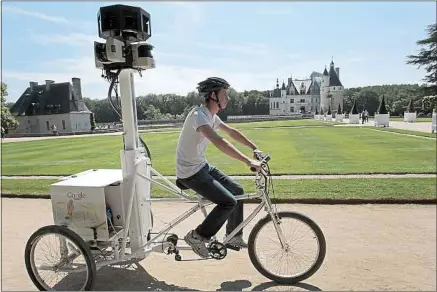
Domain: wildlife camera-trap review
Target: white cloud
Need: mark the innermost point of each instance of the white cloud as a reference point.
(187, 19)
(275, 12)
(295, 56)
(74, 39)
(47, 17)
(163, 79)
(244, 48)
(35, 14)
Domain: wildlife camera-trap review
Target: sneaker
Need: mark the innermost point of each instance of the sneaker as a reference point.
(197, 243)
(238, 241)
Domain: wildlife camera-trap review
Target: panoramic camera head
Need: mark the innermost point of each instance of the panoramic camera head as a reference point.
(125, 29)
(124, 23)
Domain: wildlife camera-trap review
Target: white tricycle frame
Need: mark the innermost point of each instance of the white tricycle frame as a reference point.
(168, 244)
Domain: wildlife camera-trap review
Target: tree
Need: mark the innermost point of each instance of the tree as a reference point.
(429, 103)
(354, 110)
(427, 58)
(410, 108)
(92, 122)
(382, 109)
(8, 121)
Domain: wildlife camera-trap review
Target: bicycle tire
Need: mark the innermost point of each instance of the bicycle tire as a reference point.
(69, 234)
(287, 280)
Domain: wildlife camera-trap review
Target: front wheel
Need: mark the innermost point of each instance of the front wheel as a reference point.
(299, 259)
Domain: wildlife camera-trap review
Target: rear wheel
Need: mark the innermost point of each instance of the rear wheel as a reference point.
(280, 264)
(55, 253)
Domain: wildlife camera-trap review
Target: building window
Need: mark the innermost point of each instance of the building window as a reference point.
(292, 109)
(48, 126)
(302, 100)
(334, 88)
(277, 104)
(63, 125)
(292, 100)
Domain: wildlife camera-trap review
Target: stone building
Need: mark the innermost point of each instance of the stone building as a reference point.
(319, 91)
(42, 106)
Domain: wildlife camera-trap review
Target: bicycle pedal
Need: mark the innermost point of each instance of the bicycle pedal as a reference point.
(233, 247)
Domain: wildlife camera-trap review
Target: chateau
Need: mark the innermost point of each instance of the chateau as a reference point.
(320, 91)
(42, 106)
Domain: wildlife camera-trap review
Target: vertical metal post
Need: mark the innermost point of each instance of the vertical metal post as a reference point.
(135, 194)
(128, 109)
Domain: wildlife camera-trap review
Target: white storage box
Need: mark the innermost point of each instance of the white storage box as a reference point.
(79, 202)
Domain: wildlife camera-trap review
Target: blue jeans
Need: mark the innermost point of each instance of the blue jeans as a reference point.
(217, 187)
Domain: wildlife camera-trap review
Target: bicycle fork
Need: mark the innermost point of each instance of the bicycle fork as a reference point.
(275, 219)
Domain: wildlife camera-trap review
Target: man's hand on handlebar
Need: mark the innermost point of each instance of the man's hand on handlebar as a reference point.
(257, 154)
(254, 165)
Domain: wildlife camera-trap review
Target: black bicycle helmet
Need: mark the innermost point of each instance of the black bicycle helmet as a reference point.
(212, 84)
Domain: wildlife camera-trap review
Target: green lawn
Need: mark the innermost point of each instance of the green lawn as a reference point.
(371, 189)
(305, 150)
(285, 123)
(409, 132)
(418, 120)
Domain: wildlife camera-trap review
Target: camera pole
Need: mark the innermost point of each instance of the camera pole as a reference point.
(129, 109)
(125, 50)
(135, 192)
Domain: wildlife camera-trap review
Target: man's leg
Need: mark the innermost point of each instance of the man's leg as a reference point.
(235, 189)
(206, 186)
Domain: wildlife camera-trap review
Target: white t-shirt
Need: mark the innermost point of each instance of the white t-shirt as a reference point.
(190, 153)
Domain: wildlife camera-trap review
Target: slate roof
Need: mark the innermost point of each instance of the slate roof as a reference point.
(333, 77)
(325, 72)
(52, 100)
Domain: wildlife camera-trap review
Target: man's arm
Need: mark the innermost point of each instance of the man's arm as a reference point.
(237, 135)
(222, 144)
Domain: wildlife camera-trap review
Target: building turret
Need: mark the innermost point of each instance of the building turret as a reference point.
(283, 89)
(324, 91)
(335, 87)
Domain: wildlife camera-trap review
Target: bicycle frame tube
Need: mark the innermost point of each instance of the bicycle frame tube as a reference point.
(245, 222)
(200, 205)
(272, 214)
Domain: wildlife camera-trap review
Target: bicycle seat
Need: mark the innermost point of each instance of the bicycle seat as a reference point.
(180, 185)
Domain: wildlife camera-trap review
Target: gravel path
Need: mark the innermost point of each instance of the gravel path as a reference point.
(369, 248)
(309, 176)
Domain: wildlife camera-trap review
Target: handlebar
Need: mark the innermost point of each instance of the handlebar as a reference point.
(264, 159)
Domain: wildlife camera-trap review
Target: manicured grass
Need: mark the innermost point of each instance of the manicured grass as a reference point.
(418, 120)
(294, 151)
(340, 189)
(285, 123)
(409, 132)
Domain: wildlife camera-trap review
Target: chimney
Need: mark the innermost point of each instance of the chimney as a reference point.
(48, 82)
(77, 87)
(337, 70)
(32, 85)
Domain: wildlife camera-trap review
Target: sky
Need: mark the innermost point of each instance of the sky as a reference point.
(250, 44)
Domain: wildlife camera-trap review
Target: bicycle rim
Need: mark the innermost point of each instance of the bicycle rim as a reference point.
(304, 251)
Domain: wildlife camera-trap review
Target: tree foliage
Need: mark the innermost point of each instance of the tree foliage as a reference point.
(253, 102)
(429, 103)
(354, 110)
(397, 97)
(382, 109)
(8, 122)
(410, 108)
(427, 58)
